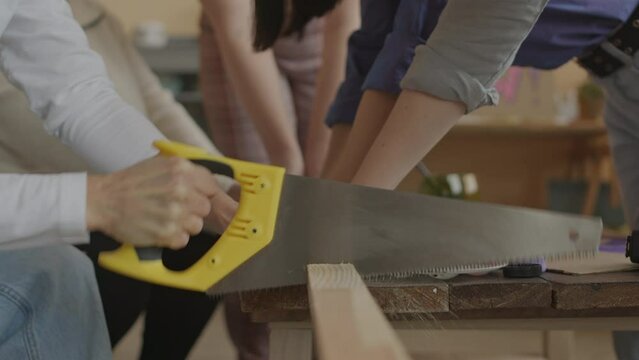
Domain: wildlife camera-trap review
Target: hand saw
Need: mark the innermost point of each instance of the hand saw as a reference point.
(285, 222)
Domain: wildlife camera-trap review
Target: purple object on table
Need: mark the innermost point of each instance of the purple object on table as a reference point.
(613, 245)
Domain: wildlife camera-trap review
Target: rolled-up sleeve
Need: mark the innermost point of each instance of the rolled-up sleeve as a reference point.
(470, 48)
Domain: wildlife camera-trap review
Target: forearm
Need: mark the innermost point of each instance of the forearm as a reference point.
(371, 116)
(453, 73)
(42, 209)
(338, 26)
(255, 80)
(416, 124)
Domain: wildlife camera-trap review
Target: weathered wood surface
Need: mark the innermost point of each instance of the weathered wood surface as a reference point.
(488, 297)
(402, 296)
(496, 292)
(597, 291)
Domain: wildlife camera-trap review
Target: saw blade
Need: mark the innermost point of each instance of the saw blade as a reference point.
(390, 233)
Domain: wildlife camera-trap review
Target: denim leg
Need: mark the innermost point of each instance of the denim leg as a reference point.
(50, 306)
(622, 121)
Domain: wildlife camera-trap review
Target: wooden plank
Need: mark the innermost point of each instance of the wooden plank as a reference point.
(488, 297)
(348, 323)
(280, 299)
(417, 294)
(595, 291)
(497, 292)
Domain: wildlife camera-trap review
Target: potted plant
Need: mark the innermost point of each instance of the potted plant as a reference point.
(591, 101)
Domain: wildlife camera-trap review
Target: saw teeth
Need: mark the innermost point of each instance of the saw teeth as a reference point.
(372, 277)
(477, 267)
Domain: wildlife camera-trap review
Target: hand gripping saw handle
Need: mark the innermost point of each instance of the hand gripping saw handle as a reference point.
(249, 232)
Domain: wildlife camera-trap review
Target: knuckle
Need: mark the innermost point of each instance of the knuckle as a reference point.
(174, 211)
(167, 230)
(197, 224)
(179, 190)
(200, 205)
(179, 241)
(178, 166)
(206, 207)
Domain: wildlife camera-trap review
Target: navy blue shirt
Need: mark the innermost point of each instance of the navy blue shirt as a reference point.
(380, 52)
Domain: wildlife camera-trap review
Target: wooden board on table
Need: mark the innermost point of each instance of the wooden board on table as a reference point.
(494, 291)
(594, 291)
(395, 296)
(347, 322)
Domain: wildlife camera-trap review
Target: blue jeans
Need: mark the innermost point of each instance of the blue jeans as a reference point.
(50, 306)
(622, 121)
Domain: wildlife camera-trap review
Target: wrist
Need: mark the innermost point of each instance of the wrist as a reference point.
(96, 218)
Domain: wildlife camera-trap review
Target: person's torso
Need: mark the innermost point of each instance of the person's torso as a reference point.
(564, 30)
(568, 28)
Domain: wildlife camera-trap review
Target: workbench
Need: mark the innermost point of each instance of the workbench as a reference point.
(553, 302)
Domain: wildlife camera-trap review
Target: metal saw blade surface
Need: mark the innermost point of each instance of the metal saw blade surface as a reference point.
(390, 233)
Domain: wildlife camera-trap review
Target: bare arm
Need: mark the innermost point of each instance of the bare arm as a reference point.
(418, 122)
(256, 81)
(453, 73)
(339, 24)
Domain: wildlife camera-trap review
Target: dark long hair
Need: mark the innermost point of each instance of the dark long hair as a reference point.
(270, 15)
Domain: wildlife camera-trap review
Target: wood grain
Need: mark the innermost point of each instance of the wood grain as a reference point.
(487, 297)
(496, 292)
(595, 291)
(347, 322)
(395, 296)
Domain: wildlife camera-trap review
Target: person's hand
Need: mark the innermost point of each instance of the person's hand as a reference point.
(158, 202)
(223, 208)
(235, 191)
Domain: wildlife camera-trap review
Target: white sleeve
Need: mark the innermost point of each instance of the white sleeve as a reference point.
(41, 209)
(44, 52)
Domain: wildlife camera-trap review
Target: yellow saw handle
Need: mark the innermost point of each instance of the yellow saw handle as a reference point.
(250, 230)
